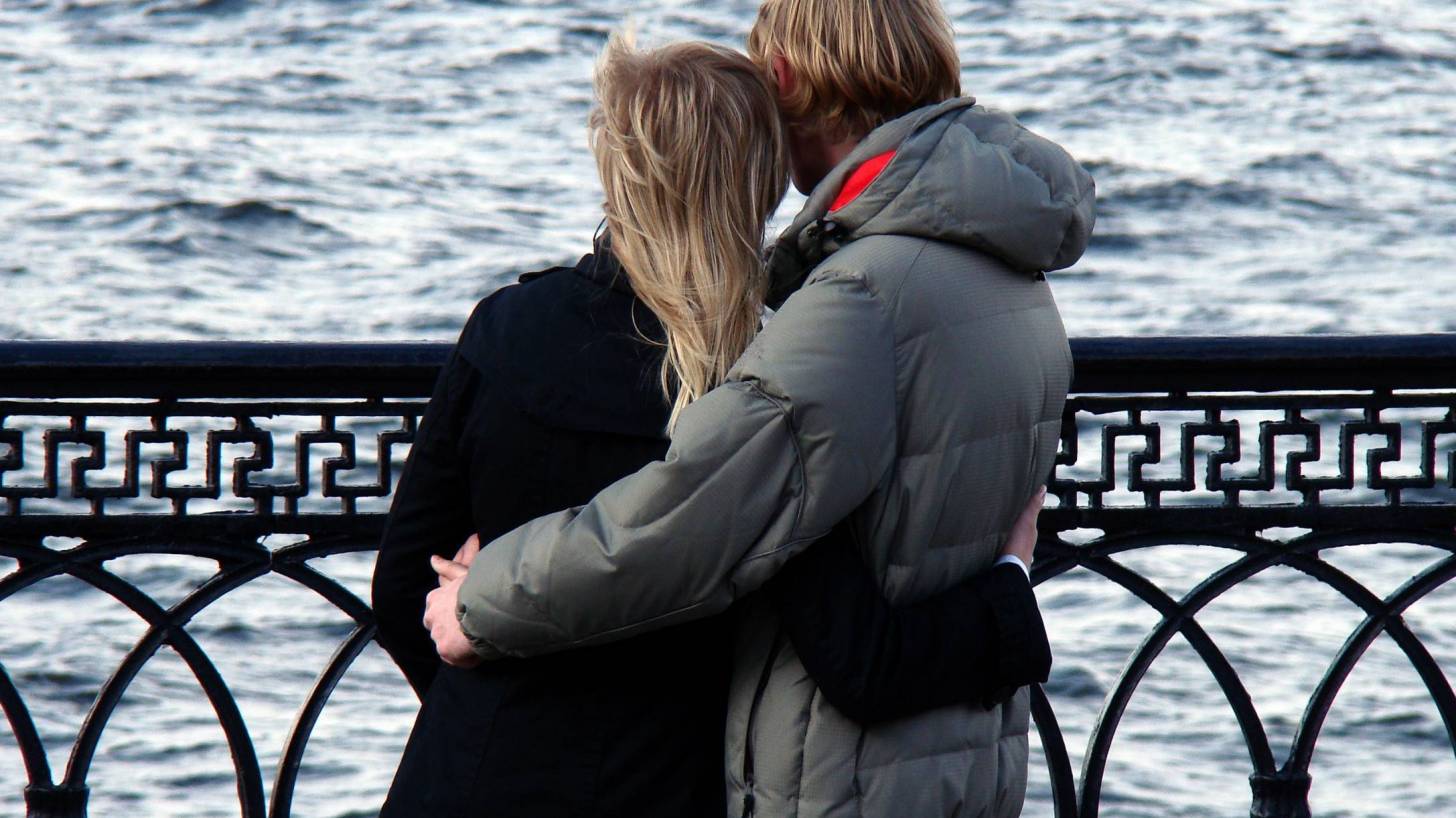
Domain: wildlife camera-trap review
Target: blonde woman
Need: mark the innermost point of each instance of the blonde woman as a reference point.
(570, 380)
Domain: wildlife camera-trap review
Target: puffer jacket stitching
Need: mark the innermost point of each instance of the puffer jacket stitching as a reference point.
(971, 441)
(788, 416)
(757, 388)
(545, 611)
(996, 536)
(1010, 147)
(910, 272)
(803, 751)
(1012, 732)
(924, 160)
(789, 545)
(919, 335)
(858, 788)
(1006, 147)
(1080, 196)
(1072, 200)
(887, 313)
(1068, 234)
(991, 248)
(877, 297)
(895, 352)
(889, 318)
(944, 751)
(1008, 728)
(848, 274)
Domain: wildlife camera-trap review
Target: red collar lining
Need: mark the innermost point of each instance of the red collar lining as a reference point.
(863, 177)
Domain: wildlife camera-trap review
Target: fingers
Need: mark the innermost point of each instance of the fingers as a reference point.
(1033, 508)
(466, 555)
(1021, 543)
(450, 641)
(448, 570)
(432, 607)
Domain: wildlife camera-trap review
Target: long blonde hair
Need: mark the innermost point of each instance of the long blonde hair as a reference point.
(691, 155)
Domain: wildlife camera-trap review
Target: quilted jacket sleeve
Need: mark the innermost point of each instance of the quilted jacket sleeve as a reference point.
(801, 434)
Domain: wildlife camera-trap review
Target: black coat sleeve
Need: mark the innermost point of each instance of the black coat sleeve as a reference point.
(431, 514)
(976, 642)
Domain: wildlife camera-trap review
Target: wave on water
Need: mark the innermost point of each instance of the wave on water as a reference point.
(303, 78)
(202, 7)
(1362, 49)
(1106, 241)
(522, 56)
(196, 228)
(249, 213)
(1309, 162)
(1185, 192)
(83, 9)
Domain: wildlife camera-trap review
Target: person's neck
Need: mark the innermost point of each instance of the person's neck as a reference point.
(817, 157)
(840, 151)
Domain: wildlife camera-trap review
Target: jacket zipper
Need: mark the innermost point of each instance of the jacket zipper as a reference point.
(749, 802)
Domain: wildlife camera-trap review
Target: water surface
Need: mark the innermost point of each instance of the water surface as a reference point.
(316, 170)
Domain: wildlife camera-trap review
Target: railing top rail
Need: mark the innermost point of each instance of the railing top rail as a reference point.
(218, 369)
(1265, 363)
(66, 369)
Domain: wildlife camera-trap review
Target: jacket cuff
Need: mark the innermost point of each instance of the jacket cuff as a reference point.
(1023, 654)
(485, 650)
(1012, 559)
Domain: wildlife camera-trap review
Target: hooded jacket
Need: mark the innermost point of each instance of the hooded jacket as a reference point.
(911, 387)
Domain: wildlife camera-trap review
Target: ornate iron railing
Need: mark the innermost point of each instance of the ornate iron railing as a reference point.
(1165, 441)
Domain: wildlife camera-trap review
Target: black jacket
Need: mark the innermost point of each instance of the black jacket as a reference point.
(552, 394)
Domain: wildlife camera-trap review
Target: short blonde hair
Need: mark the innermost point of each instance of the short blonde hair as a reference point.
(859, 63)
(690, 149)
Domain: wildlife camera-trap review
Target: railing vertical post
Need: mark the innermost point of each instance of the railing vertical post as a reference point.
(50, 801)
(1284, 794)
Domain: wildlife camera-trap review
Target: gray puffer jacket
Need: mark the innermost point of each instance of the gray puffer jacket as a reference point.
(913, 383)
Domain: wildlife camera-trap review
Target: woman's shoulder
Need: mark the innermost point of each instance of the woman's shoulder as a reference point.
(527, 295)
(570, 350)
(548, 312)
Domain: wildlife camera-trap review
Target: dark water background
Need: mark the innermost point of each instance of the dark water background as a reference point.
(318, 170)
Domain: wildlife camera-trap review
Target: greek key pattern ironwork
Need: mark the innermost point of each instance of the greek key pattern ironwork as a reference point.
(271, 459)
(1245, 452)
(1148, 457)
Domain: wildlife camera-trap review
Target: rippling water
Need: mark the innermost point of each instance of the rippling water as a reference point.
(330, 170)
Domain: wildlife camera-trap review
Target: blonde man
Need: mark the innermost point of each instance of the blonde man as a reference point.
(910, 386)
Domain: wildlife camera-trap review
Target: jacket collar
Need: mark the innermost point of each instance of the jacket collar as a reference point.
(602, 267)
(955, 173)
(801, 247)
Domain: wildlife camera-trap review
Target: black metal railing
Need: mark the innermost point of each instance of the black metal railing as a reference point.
(205, 450)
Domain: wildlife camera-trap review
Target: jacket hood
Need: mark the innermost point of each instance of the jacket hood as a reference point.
(955, 172)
